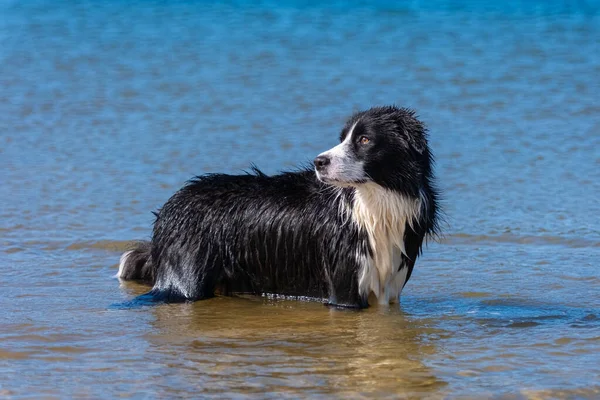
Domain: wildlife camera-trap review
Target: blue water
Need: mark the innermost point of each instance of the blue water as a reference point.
(107, 108)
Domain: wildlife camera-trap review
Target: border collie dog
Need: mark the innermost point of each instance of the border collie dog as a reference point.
(350, 229)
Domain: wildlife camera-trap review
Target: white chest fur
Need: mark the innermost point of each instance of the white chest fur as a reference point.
(383, 215)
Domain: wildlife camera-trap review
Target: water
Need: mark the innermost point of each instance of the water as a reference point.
(107, 108)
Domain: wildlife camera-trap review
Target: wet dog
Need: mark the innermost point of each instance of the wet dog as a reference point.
(349, 229)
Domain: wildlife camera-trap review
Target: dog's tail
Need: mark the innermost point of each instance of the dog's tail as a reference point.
(136, 264)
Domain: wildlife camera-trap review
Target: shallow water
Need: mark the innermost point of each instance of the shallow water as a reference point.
(106, 109)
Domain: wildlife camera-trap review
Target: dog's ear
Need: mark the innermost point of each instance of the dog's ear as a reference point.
(416, 137)
(416, 144)
(414, 130)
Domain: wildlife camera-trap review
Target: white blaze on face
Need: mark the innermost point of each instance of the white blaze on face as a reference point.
(343, 149)
(343, 166)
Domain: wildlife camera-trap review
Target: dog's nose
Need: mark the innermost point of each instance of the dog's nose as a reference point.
(322, 161)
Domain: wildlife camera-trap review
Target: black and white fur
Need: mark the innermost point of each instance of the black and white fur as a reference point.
(351, 230)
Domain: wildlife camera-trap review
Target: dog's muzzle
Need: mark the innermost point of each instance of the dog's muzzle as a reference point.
(321, 163)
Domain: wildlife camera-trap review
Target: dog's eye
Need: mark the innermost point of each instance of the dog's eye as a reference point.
(364, 140)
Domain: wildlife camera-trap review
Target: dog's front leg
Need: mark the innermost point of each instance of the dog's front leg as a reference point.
(343, 289)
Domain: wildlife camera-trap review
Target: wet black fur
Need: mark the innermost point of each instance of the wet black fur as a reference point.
(284, 234)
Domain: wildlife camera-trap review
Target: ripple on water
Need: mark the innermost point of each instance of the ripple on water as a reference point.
(464, 238)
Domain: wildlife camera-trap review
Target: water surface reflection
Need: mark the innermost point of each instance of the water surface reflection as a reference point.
(276, 346)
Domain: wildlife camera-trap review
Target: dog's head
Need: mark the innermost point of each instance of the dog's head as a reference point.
(384, 145)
